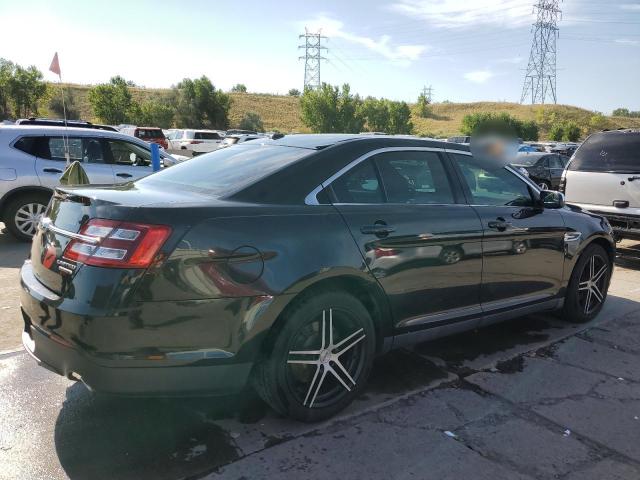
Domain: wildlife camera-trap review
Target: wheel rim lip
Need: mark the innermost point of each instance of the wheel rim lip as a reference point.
(595, 303)
(355, 367)
(27, 217)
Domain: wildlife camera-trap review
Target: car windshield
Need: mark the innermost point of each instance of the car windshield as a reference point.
(206, 136)
(615, 152)
(226, 170)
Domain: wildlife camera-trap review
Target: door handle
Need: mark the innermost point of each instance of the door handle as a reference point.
(635, 177)
(124, 175)
(499, 224)
(379, 229)
(52, 170)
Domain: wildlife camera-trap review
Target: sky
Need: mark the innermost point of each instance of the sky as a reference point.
(466, 50)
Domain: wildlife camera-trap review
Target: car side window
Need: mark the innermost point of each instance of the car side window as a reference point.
(493, 187)
(555, 162)
(54, 148)
(126, 153)
(26, 145)
(359, 185)
(415, 177)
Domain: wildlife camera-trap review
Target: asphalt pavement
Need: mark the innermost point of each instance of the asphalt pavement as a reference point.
(532, 398)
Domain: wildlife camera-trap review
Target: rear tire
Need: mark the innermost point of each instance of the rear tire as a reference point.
(587, 289)
(314, 386)
(23, 212)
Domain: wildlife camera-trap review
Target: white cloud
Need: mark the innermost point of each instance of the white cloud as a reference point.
(635, 7)
(463, 13)
(403, 54)
(479, 76)
(627, 41)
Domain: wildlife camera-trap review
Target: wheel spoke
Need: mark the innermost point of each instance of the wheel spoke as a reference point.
(587, 301)
(338, 363)
(315, 375)
(324, 374)
(330, 328)
(337, 354)
(592, 267)
(597, 293)
(599, 275)
(304, 362)
(335, 374)
(583, 285)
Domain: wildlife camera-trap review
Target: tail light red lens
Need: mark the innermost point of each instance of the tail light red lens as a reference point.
(195, 142)
(117, 244)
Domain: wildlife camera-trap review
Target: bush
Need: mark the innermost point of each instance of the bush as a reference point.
(153, 114)
(56, 107)
(498, 123)
(556, 132)
(112, 102)
(198, 104)
(399, 118)
(251, 121)
(571, 132)
(422, 107)
(294, 92)
(239, 88)
(376, 113)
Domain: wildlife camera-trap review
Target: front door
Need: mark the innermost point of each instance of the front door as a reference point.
(523, 245)
(422, 246)
(130, 161)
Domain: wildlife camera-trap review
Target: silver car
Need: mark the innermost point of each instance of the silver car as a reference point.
(32, 159)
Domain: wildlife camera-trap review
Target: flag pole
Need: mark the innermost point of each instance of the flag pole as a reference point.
(55, 68)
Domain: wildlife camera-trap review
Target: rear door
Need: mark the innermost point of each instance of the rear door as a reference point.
(523, 245)
(606, 169)
(51, 159)
(556, 167)
(417, 237)
(130, 161)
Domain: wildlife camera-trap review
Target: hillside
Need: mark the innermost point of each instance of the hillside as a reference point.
(283, 112)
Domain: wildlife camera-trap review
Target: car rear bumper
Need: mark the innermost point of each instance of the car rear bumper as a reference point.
(624, 225)
(181, 373)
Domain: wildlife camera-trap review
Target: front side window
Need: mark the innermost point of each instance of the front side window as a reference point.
(414, 177)
(126, 153)
(493, 187)
(359, 185)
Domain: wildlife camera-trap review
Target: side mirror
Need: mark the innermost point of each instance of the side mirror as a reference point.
(551, 199)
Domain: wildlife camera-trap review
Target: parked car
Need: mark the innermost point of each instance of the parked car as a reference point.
(260, 263)
(32, 159)
(545, 169)
(60, 122)
(237, 131)
(236, 139)
(199, 141)
(148, 134)
(603, 176)
(465, 140)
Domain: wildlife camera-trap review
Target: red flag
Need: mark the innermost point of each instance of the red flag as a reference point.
(55, 65)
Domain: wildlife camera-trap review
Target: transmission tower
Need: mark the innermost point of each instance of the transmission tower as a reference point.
(540, 79)
(428, 93)
(312, 57)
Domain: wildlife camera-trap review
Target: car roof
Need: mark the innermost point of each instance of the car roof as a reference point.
(532, 154)
(318, 141)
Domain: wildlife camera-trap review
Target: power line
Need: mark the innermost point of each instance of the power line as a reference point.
(540, 79)
(312, 57)
(427, 92)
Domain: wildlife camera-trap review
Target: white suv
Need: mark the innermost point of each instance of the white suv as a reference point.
(32, 159)
(195, 141)
(603, 177)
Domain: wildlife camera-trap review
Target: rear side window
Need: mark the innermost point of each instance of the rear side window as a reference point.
(149, 133)
(206, 136)
(359, 185)
(414, 177)
(26, 145)
(616, 152)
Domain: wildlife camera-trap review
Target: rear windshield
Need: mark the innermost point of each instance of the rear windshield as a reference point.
(527, 160)
(226, 170)
(150, 133)
(206, 136)
(617, 152)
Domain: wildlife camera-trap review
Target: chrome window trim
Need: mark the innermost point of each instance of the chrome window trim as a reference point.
(47, 224)
(311, 198)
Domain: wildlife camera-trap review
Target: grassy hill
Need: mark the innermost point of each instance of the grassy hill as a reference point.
(283, 112)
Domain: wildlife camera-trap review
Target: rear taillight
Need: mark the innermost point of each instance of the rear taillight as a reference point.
(117, 244)
(195, 142)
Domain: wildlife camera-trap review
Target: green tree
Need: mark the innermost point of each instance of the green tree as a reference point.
(529, 131)
(423, 106)
(6, 73)
(26, 88)
(294, 92)
(329, 109)
(556, 132)
(199, 104)
(251, 121)
(376, 113)
(152, 113)
(112, 102)
(571, 132)
(239, 88)
(498, 123)
(400, 118)
(56, 107)
(621, 112)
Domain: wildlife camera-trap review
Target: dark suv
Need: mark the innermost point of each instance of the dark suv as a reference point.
(292, 263)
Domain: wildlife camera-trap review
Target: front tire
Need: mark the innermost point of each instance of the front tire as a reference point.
(321, 357)
(23, 213)
(588, 286)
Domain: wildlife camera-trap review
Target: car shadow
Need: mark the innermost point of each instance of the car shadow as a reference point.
(12, 252)
(628, 255)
